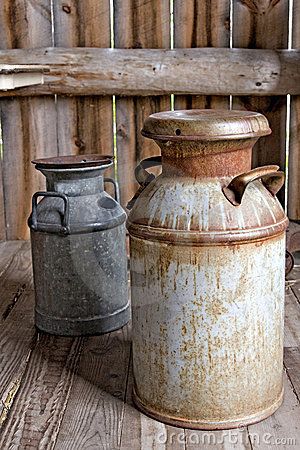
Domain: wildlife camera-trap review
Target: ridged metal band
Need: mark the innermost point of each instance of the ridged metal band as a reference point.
(211, 237)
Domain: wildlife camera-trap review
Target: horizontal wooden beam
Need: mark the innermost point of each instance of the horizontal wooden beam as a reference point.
(209, 71)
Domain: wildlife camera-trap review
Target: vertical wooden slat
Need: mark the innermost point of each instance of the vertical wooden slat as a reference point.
(264, 24)
(201, 24)
(294, 151)
(84, 123)
(28, 124)
(138, 24)
(2, 210)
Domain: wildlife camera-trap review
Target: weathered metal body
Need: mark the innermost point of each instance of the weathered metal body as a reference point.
(207, 274)
(78, 249)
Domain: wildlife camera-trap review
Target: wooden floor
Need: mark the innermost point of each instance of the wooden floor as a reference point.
(75, 393)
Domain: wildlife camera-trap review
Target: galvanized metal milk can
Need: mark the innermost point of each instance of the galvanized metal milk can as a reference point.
(78, 249)
(207, 243)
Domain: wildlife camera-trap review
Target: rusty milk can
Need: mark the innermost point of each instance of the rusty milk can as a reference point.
(78, 249)
(207, 243)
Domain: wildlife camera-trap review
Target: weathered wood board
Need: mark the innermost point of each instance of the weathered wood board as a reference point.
(138, 25)
(28, 124)
(7, 251)
(202, 24)
(2, 206)
(94, 415)
(85, 124)
(148, 72)
(264, 25)
(294, 149)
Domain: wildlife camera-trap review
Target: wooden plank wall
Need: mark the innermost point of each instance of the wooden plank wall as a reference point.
(201, 24)
(264, 24)
(27, 129)
(294, 151)
(2, 210)
(138, 24)
(49, 126)
(85, 123)
(36, 127)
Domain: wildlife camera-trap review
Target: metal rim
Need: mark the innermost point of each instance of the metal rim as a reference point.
(207, 425)
(74, 162)
(203, 137)
(205, 125)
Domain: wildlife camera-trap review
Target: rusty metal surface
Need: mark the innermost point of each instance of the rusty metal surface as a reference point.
(271, 178)
(205, 124)
(79, 252)
(207, 329)
(189, 210)
(207, 283)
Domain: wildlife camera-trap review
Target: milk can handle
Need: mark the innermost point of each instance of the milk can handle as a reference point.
(64, 228)
(143, 177)
(271, 178)
(116, 187)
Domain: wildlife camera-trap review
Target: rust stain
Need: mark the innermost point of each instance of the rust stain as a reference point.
(215, 309)
(204, 328)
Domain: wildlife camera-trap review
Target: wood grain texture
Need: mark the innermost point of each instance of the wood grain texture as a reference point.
(16, 344)
(16, 307)
(8, 249)
(16, 277)
(264, 24)
(296, 290)
(35, 416)
(294, 150)
(84, 124)
(292, 320)
(141, 432)
(2, 206)
(138, 24)
(293, 281)
(201, 24)
(94, 414)
(36, 372)
(126, 148)
(29, 124)
(292, 365)
(283, 424)
(142, 72)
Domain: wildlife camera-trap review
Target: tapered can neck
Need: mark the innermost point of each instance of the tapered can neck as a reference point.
(74, 182)
(206, 159)
(205, 143)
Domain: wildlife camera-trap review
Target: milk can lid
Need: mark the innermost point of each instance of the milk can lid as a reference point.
(205, 124)
(73, 161)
